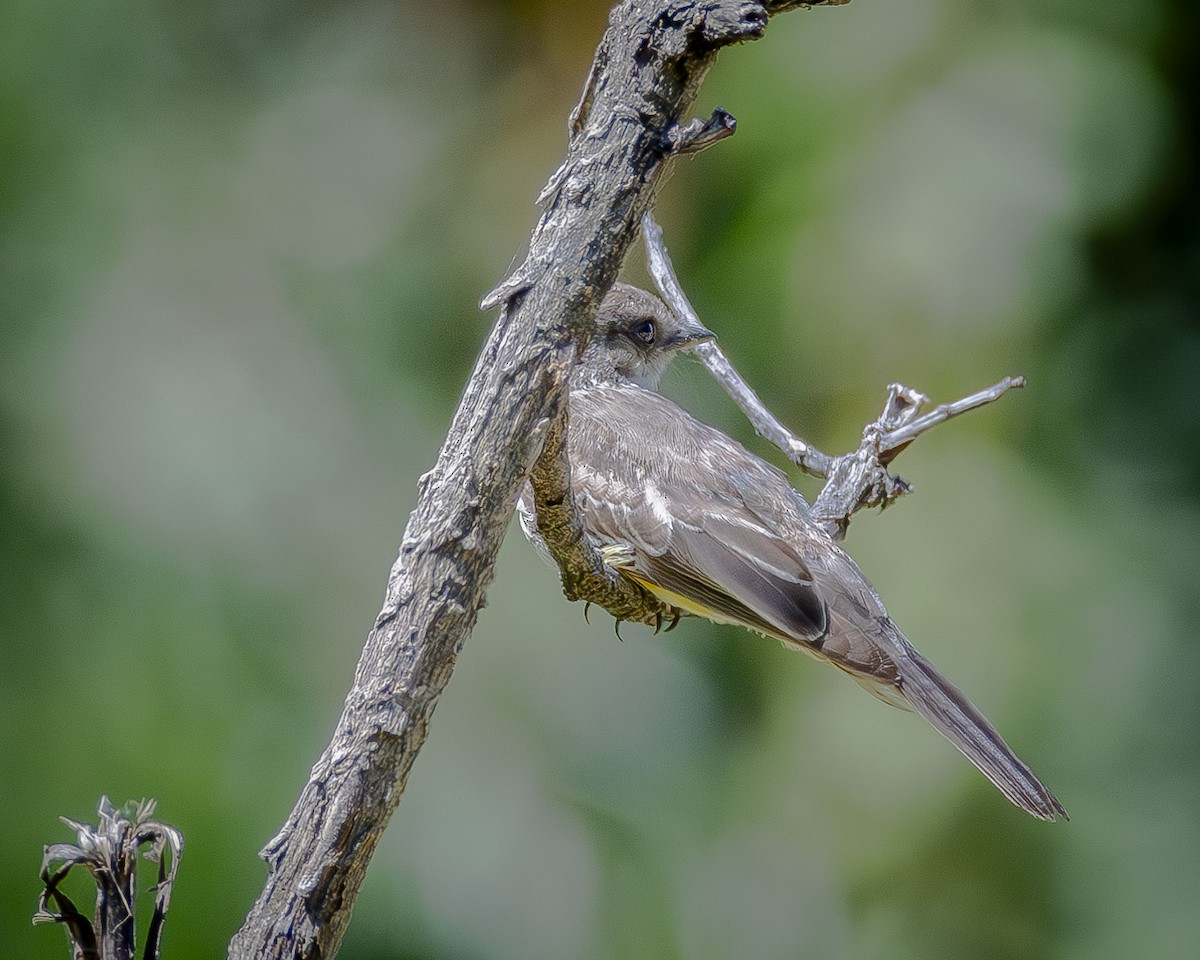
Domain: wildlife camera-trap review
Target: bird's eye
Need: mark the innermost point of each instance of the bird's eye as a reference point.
(644, 332)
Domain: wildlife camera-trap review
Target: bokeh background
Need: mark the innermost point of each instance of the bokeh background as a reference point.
(241, 248)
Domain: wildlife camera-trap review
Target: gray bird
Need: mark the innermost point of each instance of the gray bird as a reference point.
(680, 508)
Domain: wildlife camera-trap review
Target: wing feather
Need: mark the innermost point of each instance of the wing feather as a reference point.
(687, 517)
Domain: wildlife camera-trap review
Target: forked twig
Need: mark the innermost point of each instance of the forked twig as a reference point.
(853, 480)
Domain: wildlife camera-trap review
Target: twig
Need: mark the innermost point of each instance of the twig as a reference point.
(898, 438)
(690, 138)
(854, 480)
(806, 457)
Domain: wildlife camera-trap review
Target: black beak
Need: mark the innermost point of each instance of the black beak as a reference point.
(689, 334)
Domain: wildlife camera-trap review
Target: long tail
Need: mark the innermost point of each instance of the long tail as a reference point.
(937, 700)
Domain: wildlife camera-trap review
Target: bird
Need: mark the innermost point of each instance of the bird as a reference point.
(714, 531)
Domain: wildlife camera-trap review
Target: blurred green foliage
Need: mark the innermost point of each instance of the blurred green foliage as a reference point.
(241, 246)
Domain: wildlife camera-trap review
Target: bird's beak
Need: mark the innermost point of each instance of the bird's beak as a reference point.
(691, 334)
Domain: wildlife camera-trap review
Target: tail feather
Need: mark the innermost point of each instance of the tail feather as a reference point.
(937, 700)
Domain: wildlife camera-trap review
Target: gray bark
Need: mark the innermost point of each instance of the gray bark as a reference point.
(624, 132)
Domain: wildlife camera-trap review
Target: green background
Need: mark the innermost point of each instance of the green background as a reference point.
(241, 248)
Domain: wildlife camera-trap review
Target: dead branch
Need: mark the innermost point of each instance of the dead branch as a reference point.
(805, 456)
(854, 480)
(627, 127)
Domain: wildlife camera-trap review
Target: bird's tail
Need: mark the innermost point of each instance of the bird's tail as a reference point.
(937, 700)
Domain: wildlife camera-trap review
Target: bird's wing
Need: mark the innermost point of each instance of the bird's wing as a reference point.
(675, 491)
(713, 529)
(741, 572)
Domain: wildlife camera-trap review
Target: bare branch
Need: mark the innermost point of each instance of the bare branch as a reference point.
(860, 478)
(854, 480)
(765, 424)
(623, 132)
(901, 436)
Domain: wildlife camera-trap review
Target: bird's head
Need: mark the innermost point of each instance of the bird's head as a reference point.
(635, 339)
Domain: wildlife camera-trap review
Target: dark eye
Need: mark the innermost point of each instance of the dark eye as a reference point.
(644, 331)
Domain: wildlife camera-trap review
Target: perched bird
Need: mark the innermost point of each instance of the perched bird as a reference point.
(680, 508)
